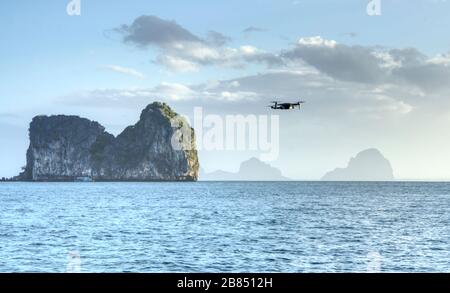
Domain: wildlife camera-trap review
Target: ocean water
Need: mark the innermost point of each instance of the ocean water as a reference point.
(225, 227)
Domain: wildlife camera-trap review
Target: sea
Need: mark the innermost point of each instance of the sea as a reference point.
(225, 227)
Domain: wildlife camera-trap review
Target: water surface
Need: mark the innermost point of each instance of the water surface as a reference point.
(225, 227)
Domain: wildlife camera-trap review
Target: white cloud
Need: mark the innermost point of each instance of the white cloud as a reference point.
(317, 41)
(125, 70)
(387, 60)
(441, 59)
(211, 84)
(237, 96)
(360, 80)
(181, 50)
(177, 64)
(248, 50)
(174, 91)
(393, 105)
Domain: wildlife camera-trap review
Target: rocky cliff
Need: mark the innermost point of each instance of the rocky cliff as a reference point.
(70, 148)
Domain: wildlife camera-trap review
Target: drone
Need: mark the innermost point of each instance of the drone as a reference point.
(286, 106)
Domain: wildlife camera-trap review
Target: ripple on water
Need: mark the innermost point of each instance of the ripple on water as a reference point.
(229, 227)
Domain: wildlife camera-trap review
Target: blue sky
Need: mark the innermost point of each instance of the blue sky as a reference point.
(56, 47)
(48, 58)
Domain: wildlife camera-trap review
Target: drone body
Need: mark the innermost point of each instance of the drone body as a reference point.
(286, 106)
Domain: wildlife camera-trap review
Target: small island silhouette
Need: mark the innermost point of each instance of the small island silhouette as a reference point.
(250, 170)
(368, 165)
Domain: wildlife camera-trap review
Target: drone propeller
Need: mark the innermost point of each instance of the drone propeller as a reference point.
(300, 104)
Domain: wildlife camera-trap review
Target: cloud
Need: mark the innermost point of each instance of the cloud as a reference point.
(441, 59)
(372, 65)
(149, 30)
(359, 81)
(125, 70)
(120, 97)
(174, 91)
(317, 42)
(177, 64)
(217, 39)
(254, 29)
(377, 106)
(347, 63)
(429, 77)
(429, 74)
(350, 34)
(326, 97)
(165, 91)
(181, 50)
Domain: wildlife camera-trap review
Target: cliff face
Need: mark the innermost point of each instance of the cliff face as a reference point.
(68, 148)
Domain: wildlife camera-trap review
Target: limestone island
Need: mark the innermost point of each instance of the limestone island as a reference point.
(368, 165)
(70, 148)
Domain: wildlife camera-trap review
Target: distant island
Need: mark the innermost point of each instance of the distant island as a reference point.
(368, 165)
(70, 148)
(250, 170)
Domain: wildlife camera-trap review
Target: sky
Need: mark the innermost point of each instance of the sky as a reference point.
(369, 81)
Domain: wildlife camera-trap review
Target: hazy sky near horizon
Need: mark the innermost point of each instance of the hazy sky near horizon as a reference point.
(369, 81)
